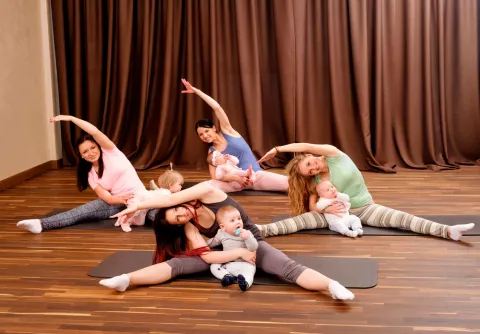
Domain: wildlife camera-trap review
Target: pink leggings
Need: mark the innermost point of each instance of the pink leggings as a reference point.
(264, 181)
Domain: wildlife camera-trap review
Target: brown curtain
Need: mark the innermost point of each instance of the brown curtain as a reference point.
(388, 82)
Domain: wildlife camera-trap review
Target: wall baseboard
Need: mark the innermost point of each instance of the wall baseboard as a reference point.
(29, 173)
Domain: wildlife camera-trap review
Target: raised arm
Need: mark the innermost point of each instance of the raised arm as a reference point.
(219, 112)
(89, 128)
(326, 150)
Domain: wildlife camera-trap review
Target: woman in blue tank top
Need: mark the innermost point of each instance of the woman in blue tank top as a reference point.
(229, 141)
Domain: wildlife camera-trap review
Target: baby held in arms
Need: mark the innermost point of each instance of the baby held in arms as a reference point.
(226, 164)
(347, 224)
(232, 235)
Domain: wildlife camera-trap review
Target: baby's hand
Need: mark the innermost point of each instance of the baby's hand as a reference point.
(226, 156)
(245, 234)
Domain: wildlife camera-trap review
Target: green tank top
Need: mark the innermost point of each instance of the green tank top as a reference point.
(346, 177)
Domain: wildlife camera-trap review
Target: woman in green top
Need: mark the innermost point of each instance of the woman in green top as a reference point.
(305, 170)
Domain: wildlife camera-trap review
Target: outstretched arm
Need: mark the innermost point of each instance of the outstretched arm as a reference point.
(203, 192)
(89, 128)
(326, 150)
(219, 112)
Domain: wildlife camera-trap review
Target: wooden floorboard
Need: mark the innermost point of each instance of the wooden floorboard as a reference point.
(425, 284)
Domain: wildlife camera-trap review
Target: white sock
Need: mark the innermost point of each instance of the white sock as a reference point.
(351, 234)
(119, 283)
(359, 231)
(32, 225)
(456, 231)
(338, 291)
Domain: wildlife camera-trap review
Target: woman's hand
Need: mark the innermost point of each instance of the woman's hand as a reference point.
(131, 209)
(60, 118)
(125, 198)
(337, 208)
(189, 88)
(270, 154)
(249, 256)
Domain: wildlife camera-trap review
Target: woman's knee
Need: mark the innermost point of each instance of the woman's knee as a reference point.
(187, 265)
(275, 262)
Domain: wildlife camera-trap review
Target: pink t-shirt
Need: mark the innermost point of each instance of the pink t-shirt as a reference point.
(119, 176)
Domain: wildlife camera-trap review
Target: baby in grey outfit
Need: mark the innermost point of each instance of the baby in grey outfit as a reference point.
(231, 235)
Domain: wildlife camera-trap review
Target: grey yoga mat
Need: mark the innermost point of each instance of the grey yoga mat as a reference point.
(351, 272)
(378, 231)
(246, 192)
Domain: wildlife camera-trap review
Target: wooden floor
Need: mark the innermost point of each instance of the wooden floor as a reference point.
(425, 284)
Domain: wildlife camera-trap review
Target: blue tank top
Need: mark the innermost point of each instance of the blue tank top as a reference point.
(238, 147)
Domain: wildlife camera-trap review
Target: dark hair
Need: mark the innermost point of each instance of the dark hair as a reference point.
(204, 123)
(83, 166)
(171, 239)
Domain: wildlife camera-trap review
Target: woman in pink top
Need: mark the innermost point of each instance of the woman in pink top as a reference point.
(103, 167)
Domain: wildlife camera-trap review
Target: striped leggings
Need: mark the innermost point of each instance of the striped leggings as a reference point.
(370, 214)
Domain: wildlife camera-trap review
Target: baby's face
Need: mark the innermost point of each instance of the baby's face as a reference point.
(326, 189)
(220, 160)
(231, 221)
(176, 187)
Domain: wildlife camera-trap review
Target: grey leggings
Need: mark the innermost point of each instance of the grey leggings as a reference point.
(94, 210)
(269, 259)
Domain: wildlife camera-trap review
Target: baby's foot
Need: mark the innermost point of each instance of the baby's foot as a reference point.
(126, 227)
(153, 186)
(250, 175)
(242, 283)
(228, 280)
(351, 234)
(359, 231)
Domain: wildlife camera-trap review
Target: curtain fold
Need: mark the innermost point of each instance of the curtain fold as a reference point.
(391, 83)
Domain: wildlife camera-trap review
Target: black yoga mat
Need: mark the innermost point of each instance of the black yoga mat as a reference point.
(246, 192)
(378, 231)
(353, 273)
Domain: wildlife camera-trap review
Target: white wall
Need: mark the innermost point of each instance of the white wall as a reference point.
(27, 95)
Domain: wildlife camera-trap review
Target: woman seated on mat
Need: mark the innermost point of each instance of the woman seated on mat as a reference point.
(179, 225)
(103, 167)
(229, 141)
(306, 170)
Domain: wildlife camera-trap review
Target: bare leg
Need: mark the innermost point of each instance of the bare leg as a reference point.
(155, 274)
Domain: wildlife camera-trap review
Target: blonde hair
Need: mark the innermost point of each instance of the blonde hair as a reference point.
(168, 178)
(225, 210)
(299, 187)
